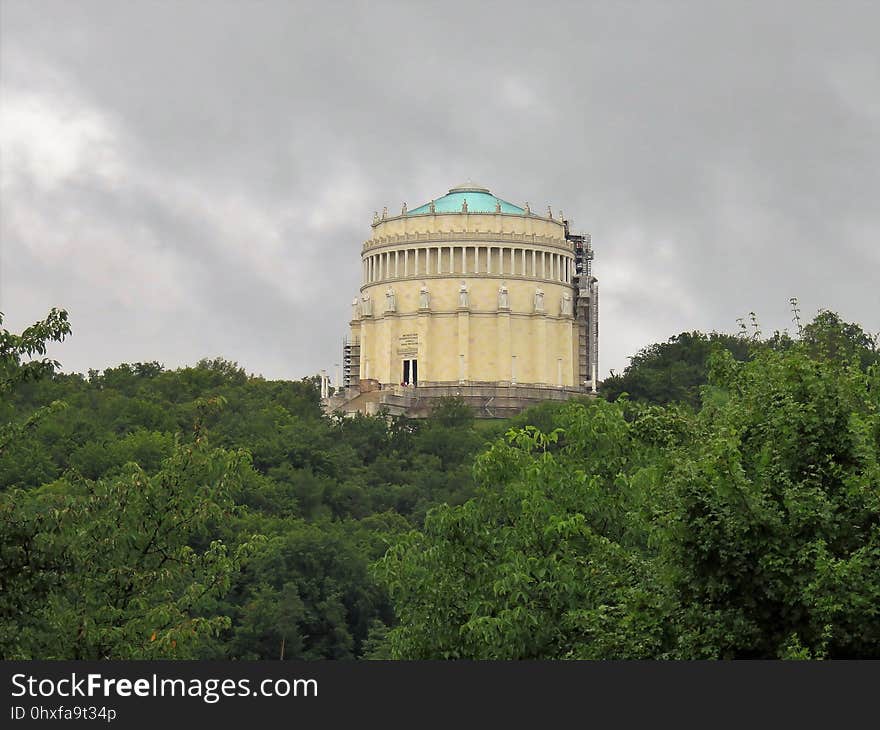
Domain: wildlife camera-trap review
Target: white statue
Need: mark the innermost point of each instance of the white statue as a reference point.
(432, 207)
(464, 208)
(403, 210)
(463, 296)
(539, 300)
(355, 309)
(424, 297)
(366, 306)
(503, 297)
(565, 305)
(390, 300)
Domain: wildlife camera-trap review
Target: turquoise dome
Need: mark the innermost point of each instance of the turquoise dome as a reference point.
(479, 200)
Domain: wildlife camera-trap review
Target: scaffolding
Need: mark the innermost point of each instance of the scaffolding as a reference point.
(351, 362)
(586, 308)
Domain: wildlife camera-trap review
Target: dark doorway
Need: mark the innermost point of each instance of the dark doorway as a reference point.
(411, 372)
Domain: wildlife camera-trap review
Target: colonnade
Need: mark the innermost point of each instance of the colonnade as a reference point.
(458, 260)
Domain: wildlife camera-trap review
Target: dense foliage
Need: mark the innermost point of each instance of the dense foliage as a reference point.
(672, 371)
(203, 512)
(676, 370)
(722, 501)
(750, 528)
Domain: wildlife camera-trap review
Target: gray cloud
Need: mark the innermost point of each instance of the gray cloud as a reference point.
(196, 178)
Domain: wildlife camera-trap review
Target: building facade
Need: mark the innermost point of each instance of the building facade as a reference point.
(473, 296)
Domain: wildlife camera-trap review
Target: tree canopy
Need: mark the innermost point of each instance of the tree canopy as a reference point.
(747, 529)
(720, 501)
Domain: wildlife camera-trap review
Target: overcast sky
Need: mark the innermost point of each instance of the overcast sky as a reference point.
(195, 179)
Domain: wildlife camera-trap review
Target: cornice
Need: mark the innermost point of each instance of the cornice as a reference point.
(465, 238)
(459, 276)
(385, 218)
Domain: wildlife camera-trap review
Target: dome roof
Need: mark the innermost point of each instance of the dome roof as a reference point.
(479, 200)
(469, 186)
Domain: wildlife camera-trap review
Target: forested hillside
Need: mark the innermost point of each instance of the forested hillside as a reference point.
(721, 501)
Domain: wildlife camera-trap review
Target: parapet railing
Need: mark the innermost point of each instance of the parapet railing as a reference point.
(463, 237)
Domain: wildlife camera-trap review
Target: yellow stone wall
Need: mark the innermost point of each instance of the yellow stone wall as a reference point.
(482, 343)
(462, 222)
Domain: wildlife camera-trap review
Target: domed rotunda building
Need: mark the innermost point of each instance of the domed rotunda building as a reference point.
(471, 296)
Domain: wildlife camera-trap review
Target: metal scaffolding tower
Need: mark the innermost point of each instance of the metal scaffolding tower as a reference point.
(586, 303)
(351, 362)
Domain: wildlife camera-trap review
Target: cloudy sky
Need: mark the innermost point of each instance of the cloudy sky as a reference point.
(196, 178)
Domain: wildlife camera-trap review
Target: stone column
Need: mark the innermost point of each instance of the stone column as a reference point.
(365, 353)
(388, 332)
(423, 328)
(540, 324)
(503, 347)
(464, 336)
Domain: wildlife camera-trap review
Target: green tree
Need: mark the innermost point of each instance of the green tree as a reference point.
(118, 568)
(828, 335)
(17, 352)
(672, 371)
(549, 559)
(774, 533)
(22, 359)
